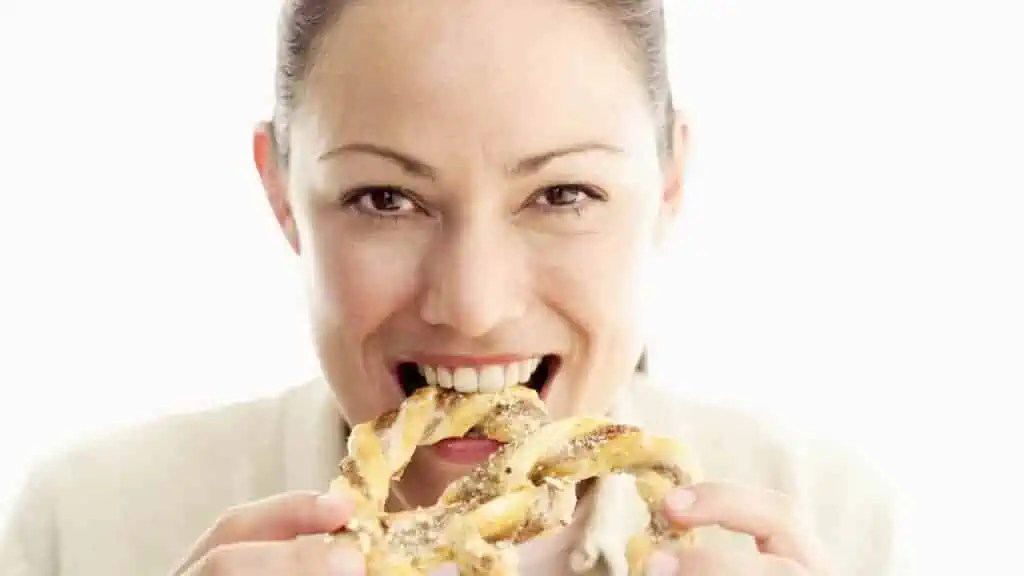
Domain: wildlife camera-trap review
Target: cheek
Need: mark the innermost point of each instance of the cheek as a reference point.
(357, 283)
(599, 280)
(597, 284)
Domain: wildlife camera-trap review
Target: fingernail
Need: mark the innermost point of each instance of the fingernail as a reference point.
(345, 561)
(680, 500)
(661, 564)
(333, 506)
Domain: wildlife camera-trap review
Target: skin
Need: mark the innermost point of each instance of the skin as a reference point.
(478, 255)
(785, 547)
(475, 260)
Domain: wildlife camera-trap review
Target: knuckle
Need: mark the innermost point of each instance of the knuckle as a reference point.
(229, 525)
(304, 512)
(702, 561)
(720, 562)
(219, 561)
(309, 554)
(786, 506)
(786, 511)
(780, 566)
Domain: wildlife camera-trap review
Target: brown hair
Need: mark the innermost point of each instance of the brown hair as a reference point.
(303, 23)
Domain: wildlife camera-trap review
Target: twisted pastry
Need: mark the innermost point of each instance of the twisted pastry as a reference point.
(526, 489)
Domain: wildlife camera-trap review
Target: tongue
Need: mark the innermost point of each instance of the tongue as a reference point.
(466, 450)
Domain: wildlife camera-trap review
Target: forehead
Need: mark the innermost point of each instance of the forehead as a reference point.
(511, 77)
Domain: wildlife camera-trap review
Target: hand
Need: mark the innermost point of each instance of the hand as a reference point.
(261, 538)
(786, 545)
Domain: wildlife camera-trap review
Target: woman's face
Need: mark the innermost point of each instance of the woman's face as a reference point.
(472, 186)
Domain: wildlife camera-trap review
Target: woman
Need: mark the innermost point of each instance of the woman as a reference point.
(472, 186)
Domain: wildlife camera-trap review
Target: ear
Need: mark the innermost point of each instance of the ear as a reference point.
(275, 181)
(674, 171)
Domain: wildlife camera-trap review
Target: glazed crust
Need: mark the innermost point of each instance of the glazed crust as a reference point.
(526, 489)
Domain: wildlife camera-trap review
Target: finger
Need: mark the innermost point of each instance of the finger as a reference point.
(303, 557)
(769, 516)
(712, 562)
(281, 517)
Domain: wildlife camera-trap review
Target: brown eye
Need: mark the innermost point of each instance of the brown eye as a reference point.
(572, 197)
(563, 195)
(383, 200)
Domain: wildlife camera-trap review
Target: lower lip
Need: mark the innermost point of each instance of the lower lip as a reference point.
(466, 450)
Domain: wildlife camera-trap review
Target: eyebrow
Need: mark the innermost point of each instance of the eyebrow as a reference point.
(532, 164)
(416, 167)
(406, 162)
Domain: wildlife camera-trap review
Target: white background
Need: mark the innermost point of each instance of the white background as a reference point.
(850, 257)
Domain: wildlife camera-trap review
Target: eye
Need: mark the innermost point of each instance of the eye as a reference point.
(574, 197)
(382, 201)
(563, 195)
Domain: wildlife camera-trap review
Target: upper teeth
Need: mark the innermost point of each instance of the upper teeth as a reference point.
(489, 378)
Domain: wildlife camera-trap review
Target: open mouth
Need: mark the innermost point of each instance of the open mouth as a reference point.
(536, 373)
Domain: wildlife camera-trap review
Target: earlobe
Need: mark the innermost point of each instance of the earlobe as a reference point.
(274, 182)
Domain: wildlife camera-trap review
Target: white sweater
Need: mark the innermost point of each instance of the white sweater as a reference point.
(134, 502)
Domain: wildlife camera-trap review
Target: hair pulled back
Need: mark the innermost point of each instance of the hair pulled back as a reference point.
(303, 23)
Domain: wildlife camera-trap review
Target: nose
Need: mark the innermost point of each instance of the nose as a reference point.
(474, 280)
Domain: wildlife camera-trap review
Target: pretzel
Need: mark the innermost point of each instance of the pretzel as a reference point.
(524, 490)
